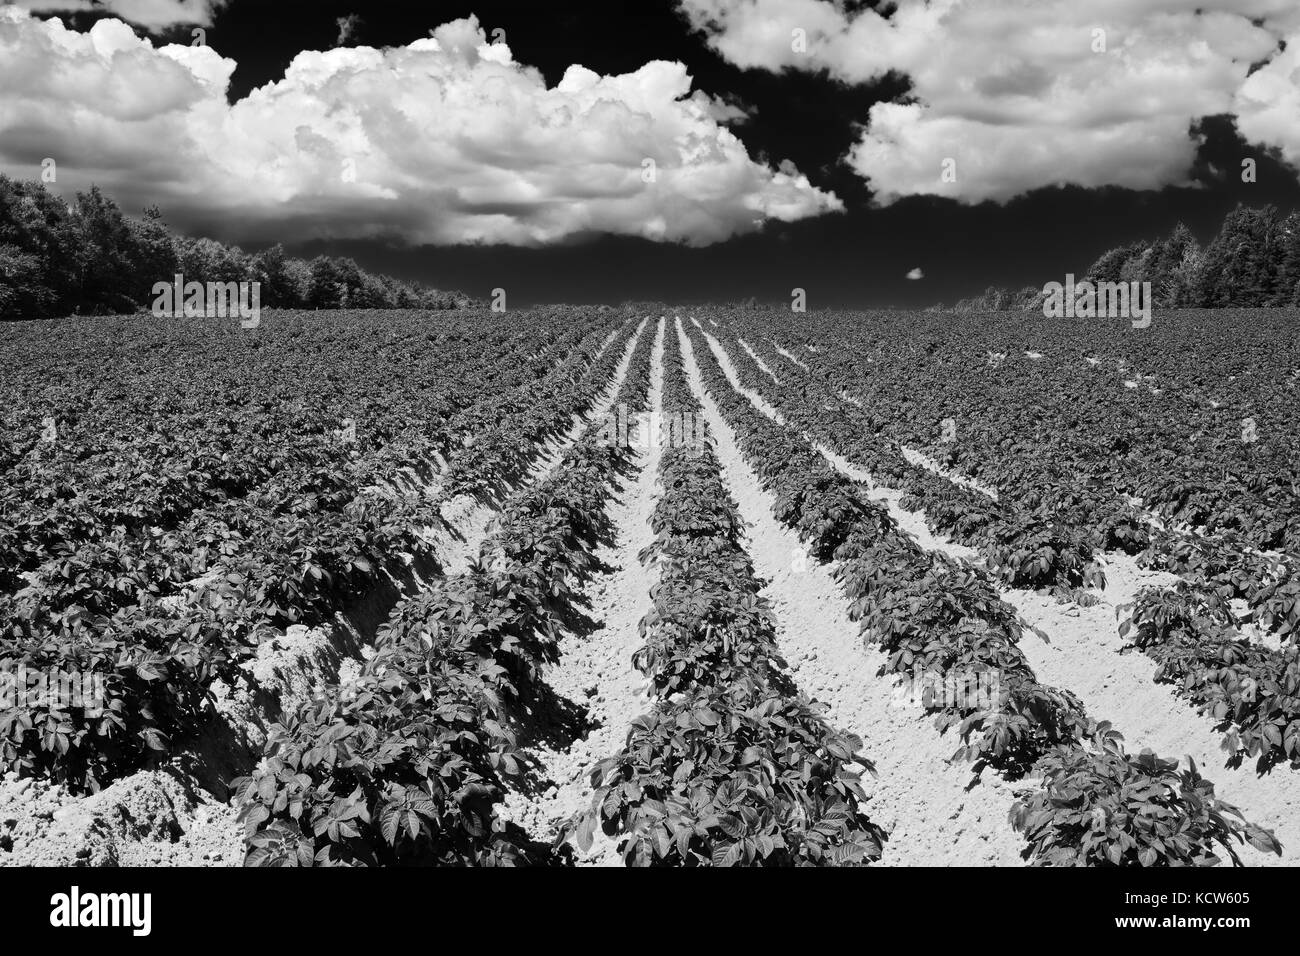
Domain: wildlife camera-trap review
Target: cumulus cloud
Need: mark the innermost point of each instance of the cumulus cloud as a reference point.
(447, 140)
(915, 274)
(1268, 103)
(153, 14)
(1008, 96)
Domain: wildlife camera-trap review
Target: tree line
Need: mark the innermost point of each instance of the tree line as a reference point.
(88, 258)
(1253, 262)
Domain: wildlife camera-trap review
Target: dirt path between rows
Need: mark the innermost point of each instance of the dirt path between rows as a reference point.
(165, 818)
(918, 795)
(1082, 654)
(762, 366)
(596, 670)
(912, 455)
(472, 519)
(789, 356)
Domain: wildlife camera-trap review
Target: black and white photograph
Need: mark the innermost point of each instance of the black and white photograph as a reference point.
(852, 434)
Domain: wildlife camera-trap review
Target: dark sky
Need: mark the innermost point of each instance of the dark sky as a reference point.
(855, 259)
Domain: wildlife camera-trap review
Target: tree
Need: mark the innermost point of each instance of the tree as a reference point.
(1028, 299)
(41, 225)
(333, 283)
(1109, 266)
(153, 251)
(108, 279)
(205, 260)
(1239, 267)
(297, 276)
(57, 259)
(1287, 249)
(1167, 268)
(1136, 267)
(283, 286)
(23, 292)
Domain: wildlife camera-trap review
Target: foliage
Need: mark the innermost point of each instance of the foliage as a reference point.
(1253, 261)
(88, 258)
(407, 764)
(927, 612)
(732, 767)
(166, 531)
(1102, 807)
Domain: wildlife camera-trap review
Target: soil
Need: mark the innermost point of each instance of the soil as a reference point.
(1084, 653)
(934, 815)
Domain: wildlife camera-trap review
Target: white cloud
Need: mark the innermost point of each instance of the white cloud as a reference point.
(722, 109)
(1268, 103)
(915, 274)
(348, 27)
(447, 140)
(154, 14)
(1014, 93)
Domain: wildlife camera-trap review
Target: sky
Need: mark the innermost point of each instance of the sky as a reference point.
(871, 154)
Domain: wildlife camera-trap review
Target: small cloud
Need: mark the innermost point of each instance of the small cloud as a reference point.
(916, 274)
(724, 109)
(347, 29)
(153, 15)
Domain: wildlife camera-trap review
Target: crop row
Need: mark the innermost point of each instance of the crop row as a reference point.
(1104, 411)
(261, 565)
(1097, 805)
(1027, 546)
(732, 766)
(408, 763)
(326, 493)
(1086, 454)
(131, 425)
(1252, 691)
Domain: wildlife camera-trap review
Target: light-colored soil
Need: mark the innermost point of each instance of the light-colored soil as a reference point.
(922, 460)
(1082, 654)
(470, 519)
(1085, 656)
(155, 818)
(935, 812)
(762, 366)
(596, 670)
(921, 798)
(912, 455)
(790, 356)
(181, 815)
